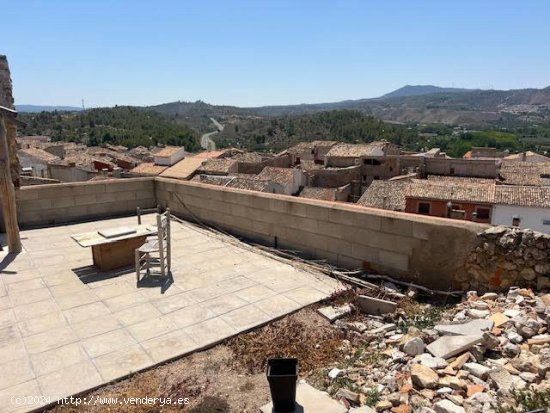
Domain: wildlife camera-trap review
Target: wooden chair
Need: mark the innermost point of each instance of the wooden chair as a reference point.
(155, 255)
(140, 211)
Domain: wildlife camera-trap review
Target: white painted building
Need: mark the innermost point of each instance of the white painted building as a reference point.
(522, 206)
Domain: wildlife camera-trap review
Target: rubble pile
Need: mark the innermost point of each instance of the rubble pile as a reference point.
(480, 355)
(508, 256)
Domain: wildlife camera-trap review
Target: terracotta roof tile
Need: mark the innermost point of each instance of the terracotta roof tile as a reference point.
(377, 148)
(149, 168)
(466, 192)
(281, 176)
(325, 194)
(184, 169)
(168, 151)
(529, 196)
(385, 195)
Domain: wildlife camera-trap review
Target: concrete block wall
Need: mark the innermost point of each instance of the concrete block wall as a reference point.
(78, 201)
(431, 251)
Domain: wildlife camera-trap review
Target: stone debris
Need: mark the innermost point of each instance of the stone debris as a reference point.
(334, 313)
(448, 346)
(375, 306)
(471, 328)
(468, 362)
(414, 346)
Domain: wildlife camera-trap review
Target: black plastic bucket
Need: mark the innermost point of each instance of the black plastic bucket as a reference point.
(282, 375)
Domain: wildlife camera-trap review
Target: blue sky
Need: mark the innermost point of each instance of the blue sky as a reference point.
(252, 53)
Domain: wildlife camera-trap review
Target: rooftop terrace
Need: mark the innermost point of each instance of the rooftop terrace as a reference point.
(66, 328)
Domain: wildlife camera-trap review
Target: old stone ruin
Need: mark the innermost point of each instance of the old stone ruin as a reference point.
(506, 257)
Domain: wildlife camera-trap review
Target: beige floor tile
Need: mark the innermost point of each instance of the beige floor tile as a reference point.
(124, 301)
(70, 380)
(210, 331)
(37, 309)
(15, 372)
(43, 323)
(68, 288)
(152, 328)
(9, 333)
(136, 314)
(21, 398)
(277, 305)
(107, 342)
(305, 295)
(7, 318)
(58, 276)
(49, 340)
(175, 302)
(169, 346)
(12, 350)
(156, 293)
(57, 358)
(245, 318)
(224, 304)
(95, 326)
(191, 315)
(86, 312)
(122, 362)
(19, 276)
(113, 290)
(76, 299)
(28, 285)
(255, 293)
(29, 297)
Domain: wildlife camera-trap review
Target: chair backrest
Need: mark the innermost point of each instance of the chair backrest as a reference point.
(163, 232)
(140, 211)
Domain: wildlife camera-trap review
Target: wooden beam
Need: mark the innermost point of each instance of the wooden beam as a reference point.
(7, 193)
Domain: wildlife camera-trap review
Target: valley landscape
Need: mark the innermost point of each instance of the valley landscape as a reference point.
(416, 117)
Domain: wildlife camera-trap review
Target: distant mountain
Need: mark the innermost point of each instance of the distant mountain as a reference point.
(40, 108)
(418, 90)
(416, 104)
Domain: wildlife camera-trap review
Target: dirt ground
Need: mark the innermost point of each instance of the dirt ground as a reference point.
(229, 377)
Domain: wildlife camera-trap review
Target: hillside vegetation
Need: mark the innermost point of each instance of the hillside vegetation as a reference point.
(415, 104)
(123, 125)
(265, 134)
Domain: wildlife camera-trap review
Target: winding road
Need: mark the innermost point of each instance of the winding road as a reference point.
(206, 139)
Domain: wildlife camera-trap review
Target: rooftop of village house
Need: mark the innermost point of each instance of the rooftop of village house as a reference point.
(325, 194)
(279, 175)
(378, 148)
(308, 146)
(168, 151)
(385, 195)
(471, 192)
(149, 168)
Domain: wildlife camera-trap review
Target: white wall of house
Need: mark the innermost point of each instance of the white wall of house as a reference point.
(530, 217)
(39, 168)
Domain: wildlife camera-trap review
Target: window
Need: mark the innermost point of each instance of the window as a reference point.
(452, 172)
(483, 213)
(515, 221)
(546, 222)
(374, 162)
(424, 208)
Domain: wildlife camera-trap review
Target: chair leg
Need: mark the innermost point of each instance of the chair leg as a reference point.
(137, 267)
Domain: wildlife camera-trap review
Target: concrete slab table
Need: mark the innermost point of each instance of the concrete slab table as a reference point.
(114, 247)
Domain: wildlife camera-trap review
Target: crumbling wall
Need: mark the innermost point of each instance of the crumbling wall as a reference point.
(6, 100)
(505, 257)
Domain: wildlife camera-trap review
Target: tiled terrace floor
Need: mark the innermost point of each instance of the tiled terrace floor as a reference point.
(66, 328)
